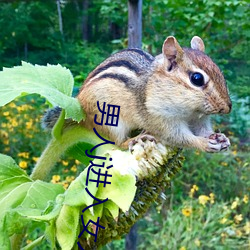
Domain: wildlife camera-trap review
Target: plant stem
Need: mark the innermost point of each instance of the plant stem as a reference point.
(57, 147)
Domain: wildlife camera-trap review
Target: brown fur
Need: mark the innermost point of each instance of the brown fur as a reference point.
(156, 95)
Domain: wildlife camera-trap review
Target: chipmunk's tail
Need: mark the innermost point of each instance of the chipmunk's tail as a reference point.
(50, 117)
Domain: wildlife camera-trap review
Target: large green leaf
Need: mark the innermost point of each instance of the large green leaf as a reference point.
(23, 200)
(67, 226)
(28, 200)
(39, 194)
(53, 82)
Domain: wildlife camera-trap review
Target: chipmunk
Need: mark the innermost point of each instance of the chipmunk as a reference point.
(170, 97)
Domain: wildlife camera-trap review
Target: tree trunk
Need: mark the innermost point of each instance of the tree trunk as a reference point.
(135, 23)
(59, 16)
(85, 21)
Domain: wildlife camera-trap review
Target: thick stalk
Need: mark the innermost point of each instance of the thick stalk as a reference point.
(57, 147)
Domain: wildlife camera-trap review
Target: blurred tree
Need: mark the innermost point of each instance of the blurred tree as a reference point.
(134, 23)
(58, 2)
(30, 31)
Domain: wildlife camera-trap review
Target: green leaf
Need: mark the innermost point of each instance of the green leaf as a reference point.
(9, 168)
(39, 194)
(8, 220)
(97, 212)
(120, 184)
(28, 200)
(14, 198)
(50, 234)
(22, 200)
(76, 195)
(53, 82)
(49, 214)
(67, 226)
(14, 223)
(6, 186)
(4, 240)
(77, 151)
(112, 208)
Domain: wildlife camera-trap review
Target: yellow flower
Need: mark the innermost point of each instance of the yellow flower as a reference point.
(29, 124)
(238, 218)
(70, 178)
(73, 168)
(224, 164)
(203, 199)
(65, 185)
(235, 203)
(6, 141)
(187, 211)
(24, 154)
(14, 123)
(211, 195)
(4, 134)
(77, 162)
(183, 248)
(193, 190)
(6, 113)
(65, 163)
(197, 242)
(223, 220)
(247, 227)
(234, 152)
(12, 105)
(23, 164)
(35, 159)
(24, 107)
(55, 178)
(245, 199)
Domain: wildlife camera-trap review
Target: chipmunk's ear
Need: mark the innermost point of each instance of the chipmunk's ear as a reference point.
(171, 49)
(197, 43)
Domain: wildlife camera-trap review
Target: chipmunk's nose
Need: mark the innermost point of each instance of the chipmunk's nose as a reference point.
(227, 108)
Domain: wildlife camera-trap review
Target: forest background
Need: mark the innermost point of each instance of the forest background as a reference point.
(207, 205)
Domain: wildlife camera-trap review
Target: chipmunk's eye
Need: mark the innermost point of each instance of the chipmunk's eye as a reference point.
(197, 79)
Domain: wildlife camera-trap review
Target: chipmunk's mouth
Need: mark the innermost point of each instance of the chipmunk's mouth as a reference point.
(224, 108)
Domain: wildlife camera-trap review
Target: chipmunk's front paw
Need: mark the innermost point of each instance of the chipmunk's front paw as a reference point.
(141, 139)
(218, 142)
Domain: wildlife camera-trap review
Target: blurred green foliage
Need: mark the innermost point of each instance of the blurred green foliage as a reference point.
(30, 32)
